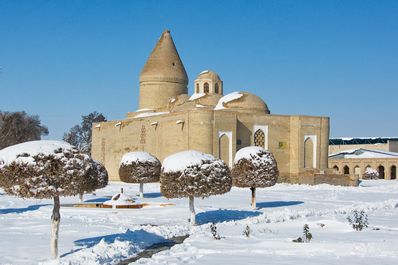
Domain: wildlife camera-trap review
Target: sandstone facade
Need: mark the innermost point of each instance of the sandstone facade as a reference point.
(170, 121)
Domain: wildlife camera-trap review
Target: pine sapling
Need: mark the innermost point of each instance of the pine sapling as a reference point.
(247, 231)
(213, 229)
(307, 236)
(306, 233)
(358, 220)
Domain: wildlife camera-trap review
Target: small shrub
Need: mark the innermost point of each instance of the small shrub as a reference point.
(213, 229)
(358, 220)
(247, 231)
(298, 240)
(306, 233)
(307, 236)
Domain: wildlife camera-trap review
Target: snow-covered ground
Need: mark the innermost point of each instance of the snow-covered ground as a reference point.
(105, 236)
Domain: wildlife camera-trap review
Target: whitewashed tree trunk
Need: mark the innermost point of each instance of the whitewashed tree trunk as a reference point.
(254, 204)
(192, 210)
(55, 220)
(141, 190)
(81, 198)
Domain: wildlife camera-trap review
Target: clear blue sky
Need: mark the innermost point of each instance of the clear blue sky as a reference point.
(64, 59)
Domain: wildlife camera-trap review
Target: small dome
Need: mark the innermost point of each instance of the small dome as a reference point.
(242, 101)
(207, 74)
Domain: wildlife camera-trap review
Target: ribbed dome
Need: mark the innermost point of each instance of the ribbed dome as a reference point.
(207, 74)
(242, 101)
(164, 63)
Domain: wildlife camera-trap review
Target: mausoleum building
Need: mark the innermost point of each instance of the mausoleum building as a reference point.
(169, 120)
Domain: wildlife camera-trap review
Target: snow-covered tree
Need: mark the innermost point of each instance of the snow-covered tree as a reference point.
(49, 170)
(194, 174)
(139, 167)
(370, 173)
(254, 167)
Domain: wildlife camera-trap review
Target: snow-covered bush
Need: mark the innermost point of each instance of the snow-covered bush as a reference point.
(49, 169)
(370, 173)
(194, 174)
(139, 167)
(358, 220)
(254, 167)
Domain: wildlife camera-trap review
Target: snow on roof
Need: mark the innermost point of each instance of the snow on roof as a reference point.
(204, 72)
(364, 153)
(180, 161)
(143, 110)
(149, 114)
(250, 152)
(46, 147)
(361, 140)
(137, 157)
(228, 98)
(196, 96)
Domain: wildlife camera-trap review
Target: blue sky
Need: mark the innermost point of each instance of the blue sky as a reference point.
(64, 59)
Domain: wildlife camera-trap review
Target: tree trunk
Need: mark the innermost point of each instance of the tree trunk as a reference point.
(81, 198)
(55, 220)
(254, 205)
(141, 190)
(192, 210)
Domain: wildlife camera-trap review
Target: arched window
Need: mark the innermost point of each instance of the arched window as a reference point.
(259, 138)
(346, 170)
(393, 172)
(336, 169)
(381, 172)
(216, 88)
(197, 88)
(206, 87)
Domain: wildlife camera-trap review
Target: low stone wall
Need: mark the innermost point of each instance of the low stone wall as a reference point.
(312, 177)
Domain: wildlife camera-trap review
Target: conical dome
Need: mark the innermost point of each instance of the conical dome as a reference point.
(163, 75)
(164, 63)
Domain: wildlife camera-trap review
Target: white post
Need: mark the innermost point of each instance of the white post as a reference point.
(141, 190)
(55, 220)
(254, 204)
(192, 210)
(81, 198)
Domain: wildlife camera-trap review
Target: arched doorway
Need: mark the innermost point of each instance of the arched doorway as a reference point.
(346, 170)
(393, 172)
(381, 172)
(224, 148)
(336, 169)
(308, 153)
(259, 138)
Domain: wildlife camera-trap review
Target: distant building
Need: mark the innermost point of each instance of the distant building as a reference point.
(169, 120)
(352, 156)
(389, 144)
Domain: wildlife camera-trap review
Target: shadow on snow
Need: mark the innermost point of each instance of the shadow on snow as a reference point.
(152, 195)
(137, 238)
(275, 204)
(22, 210)
(223, 215)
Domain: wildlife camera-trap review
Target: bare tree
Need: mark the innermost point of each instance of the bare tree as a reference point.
(19, 127)
(80, 135)
(49, 170)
